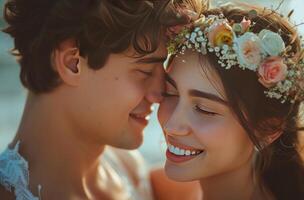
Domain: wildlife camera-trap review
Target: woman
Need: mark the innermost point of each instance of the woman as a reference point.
(232, 105)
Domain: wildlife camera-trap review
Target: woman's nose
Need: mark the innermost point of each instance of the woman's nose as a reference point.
(177, 124)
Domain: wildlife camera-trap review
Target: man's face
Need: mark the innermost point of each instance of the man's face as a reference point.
(110, 105)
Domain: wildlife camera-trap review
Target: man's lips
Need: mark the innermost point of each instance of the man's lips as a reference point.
(140, 115)
(141, 118)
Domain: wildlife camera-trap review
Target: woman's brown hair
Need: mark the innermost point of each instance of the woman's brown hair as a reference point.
(279, 166)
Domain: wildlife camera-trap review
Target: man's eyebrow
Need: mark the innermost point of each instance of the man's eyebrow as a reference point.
(206, 95)
(170, 80)
(151, 60)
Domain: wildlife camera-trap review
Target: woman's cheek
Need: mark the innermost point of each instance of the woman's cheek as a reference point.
(209, 129)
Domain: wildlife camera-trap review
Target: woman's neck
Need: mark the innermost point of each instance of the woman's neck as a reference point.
(234, 185)
(58, 159)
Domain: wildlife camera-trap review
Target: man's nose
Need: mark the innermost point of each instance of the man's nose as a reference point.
(156, 85)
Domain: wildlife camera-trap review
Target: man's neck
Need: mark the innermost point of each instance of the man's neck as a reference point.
(58, 159)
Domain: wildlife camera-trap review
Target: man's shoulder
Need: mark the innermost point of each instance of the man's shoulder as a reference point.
(131, 157)
(6, 195)
(132, 161)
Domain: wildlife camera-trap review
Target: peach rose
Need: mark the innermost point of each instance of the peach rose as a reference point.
(220, 33)
(272, 71)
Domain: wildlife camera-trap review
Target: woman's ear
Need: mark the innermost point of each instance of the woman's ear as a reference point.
(66, 62)
(275, 134)
(268, 140)
(271, 138)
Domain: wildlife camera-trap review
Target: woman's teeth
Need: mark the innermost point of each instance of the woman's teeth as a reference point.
(183, 152)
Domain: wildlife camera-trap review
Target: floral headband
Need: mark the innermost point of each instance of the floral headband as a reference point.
(265, 53)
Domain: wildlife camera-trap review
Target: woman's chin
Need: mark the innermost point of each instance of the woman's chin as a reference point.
(178, 174)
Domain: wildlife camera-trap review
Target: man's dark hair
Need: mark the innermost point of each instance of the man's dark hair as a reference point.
(100, 27)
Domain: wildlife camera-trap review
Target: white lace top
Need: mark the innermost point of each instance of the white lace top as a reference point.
(14, 173)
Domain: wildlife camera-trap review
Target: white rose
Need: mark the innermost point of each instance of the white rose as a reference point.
(272, 42)
(249, 50)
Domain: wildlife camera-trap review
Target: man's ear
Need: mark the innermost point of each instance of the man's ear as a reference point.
(66, 62)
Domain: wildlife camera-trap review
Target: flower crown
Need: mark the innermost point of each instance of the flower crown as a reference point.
(265, 53)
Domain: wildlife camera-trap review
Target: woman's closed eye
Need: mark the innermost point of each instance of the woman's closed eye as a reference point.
(201, 110)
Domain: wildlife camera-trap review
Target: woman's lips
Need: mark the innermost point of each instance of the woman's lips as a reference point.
(180, 145)
(179, 158)
(181, 153)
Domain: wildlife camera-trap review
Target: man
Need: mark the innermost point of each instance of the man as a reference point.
(93, 70)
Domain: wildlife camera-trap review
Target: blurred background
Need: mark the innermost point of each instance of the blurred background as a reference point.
(12, 94)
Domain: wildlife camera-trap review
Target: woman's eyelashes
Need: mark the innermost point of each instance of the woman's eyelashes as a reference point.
(204, 111)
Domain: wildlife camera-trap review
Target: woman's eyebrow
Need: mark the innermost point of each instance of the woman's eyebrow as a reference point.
(206, 95)
(198, 93)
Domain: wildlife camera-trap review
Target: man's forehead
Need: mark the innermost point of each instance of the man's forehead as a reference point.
(160, 55)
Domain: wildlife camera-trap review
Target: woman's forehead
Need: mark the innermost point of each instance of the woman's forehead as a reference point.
(196, 72)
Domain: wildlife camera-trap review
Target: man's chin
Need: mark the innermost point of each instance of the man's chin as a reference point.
(131, 143)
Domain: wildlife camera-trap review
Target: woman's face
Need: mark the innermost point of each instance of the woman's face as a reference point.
(203, 136)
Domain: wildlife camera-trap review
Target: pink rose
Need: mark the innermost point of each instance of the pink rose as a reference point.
(172, 31)
(220, 33)
(245, 24)
(272, 71)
